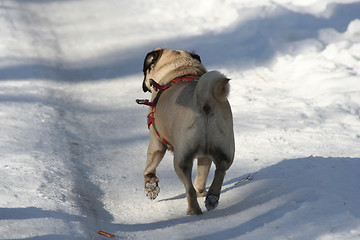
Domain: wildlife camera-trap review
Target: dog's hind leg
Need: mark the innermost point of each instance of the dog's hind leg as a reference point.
(183, 168)
(204, 164)
(222, 163)
(155, 153)
(213, 195)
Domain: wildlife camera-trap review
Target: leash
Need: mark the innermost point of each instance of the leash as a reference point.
(161, 89)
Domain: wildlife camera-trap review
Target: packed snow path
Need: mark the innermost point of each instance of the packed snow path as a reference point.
(49, 144)
(73, 141)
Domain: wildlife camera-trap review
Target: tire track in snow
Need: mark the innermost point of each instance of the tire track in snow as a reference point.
(84, 152)
(79, 148)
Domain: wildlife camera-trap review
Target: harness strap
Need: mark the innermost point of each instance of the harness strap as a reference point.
(161, 89)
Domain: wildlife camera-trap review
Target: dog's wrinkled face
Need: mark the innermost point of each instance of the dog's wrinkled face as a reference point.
(164, 64)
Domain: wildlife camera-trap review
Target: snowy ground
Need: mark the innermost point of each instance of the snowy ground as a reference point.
(73, 142)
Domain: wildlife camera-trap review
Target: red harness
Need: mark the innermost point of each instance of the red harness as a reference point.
(161, 89)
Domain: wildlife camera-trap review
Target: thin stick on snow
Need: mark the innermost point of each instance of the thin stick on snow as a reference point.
(262, 78)
(245, 179)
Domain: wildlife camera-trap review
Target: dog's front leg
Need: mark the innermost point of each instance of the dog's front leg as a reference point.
(155, 153)
(204, 164)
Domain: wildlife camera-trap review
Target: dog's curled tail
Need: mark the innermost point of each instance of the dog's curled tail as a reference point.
(212, 86)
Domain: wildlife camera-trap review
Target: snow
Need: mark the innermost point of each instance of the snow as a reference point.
(73, 142)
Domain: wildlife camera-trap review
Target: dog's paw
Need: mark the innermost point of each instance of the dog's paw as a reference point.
(194, 211)
(201, 193)
(152, 190)
(211, 202)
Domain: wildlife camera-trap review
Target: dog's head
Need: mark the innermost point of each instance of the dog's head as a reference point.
(163, 65)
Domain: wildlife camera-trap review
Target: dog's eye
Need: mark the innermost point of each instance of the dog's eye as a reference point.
(194, 55)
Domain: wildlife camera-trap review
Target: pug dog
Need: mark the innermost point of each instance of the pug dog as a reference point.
(190, 115)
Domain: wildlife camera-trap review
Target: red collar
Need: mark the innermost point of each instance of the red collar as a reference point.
(161, 89)
(177, 80)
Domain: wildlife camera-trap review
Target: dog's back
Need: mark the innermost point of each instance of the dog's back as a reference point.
(196, 117)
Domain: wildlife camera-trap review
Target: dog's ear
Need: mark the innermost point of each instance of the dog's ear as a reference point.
(194, 55)
(144, 87)
(150, 59)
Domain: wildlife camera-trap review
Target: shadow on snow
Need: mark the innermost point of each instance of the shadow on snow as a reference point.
(291, 182)
(249, 44)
